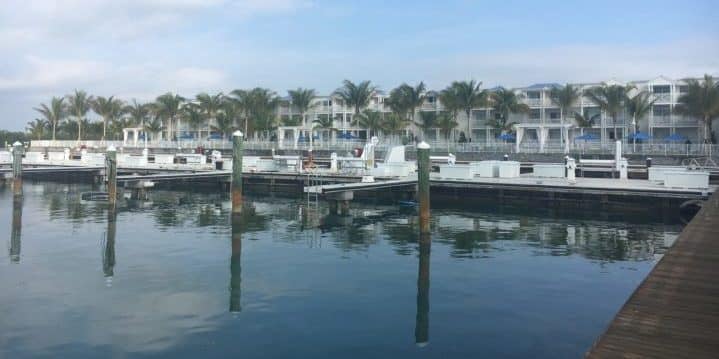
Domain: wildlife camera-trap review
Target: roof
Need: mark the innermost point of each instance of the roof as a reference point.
(543, 85)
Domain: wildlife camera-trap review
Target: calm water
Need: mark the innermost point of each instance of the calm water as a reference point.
(178, 278)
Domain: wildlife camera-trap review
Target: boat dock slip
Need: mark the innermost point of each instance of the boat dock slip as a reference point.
(176, 176)
(675, 312)
(56, 169)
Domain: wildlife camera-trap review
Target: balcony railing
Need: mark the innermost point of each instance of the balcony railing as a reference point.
(675, 120)
(663, 97)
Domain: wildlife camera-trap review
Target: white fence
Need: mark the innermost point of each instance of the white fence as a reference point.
(344, 146)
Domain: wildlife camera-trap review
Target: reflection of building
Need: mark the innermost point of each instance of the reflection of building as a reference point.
(15, 232)
(421, 328)
(236, 267)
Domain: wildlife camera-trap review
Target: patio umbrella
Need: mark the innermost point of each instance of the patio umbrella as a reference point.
(675, 138)
(506, 137)
(587, 137)
(640, 136)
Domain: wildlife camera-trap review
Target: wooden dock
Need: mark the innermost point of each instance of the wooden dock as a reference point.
(674, 313)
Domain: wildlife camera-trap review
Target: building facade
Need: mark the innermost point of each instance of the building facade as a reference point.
(544, 125)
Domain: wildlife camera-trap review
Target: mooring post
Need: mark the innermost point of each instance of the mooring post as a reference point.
(16, 230)
(111, 173)
(237, 142)
(421, 325)
(17, 151)
(236, 266)
(423, 169)
(108, 253)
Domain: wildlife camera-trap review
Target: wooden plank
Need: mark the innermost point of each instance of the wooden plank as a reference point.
(674, 313)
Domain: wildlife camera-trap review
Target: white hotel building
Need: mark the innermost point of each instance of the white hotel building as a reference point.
(540, 128)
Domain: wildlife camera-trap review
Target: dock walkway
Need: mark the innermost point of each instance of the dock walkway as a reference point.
(674, 313)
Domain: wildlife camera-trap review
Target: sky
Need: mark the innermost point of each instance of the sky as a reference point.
(143, 48)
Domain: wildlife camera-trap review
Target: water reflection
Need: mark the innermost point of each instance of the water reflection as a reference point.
(108, 247)
(236, 265)
(16, 229)
(421, 328)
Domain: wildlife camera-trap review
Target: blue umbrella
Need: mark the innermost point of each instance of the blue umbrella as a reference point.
(639, 136)
(587, 137)
(675, 138)
(506, 137)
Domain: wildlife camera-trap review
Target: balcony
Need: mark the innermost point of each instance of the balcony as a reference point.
(675, 120)
(663, 97)
(533, 102)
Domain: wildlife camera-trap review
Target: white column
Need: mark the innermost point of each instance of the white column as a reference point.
(518, 139)
(124, 137)
(565, 131)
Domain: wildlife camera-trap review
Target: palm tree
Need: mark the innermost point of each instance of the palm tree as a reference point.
(241, 99)
(701, 100)
(108, 108)
(639, 106)
(611, 99)
(394, 123)
(225, 124)
(585, 121)
(36, 128)
(137, 112)
(260, 106)
(302, 100)
(446, 123)
(53, 114)
(153, 126)
(504, 103)
(564, 97)
(467, 96)
(194, 115)
(78, 106)
(427, 121)
(209, 105)
(371, 120)
(450, 101)
(357, 96)
(168, 108)
(408, 98)
(324, 122)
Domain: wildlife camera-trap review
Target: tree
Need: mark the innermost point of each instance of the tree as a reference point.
(78, 106)
(209, 105)
(241, 98)
(371, 120)
(585, 121)
(639, 106)
(504, 103)
(167, 107)
(225, 124)
(357, 96)
(564, 97)
(466, 95)
(36, 128)
(427, 121)
(394, 123)
(701, 100)
(153, 126)
(108, 108)
(138, 112)
(324, 122)
(53, 114)
(611, 99)
(446, 123)
(260, 105)
(194, 115)
(406, 99)
(302, 100)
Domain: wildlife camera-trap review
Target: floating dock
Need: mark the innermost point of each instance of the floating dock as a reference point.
(675, 312)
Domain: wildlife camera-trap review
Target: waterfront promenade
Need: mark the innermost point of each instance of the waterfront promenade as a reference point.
(675, 312)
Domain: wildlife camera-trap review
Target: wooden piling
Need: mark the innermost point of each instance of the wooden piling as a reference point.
(108, 253)
(236, 266)
(237, 143)
(423, 169)
(17, 153)
(421, 328)
(111, 174)
(16, 231)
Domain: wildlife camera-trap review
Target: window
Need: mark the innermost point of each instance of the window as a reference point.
(535, 114)
(661, 110)
(661, 89)
(430, 99)
(553, 115)
(533, 95)
(683, 88)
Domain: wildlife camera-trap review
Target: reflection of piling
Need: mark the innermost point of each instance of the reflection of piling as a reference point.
(236, 267)
(15, 233)
(111, 173)
(237, 139)
(423, 169)
(17, 152)
(421, 329)
(108, 253)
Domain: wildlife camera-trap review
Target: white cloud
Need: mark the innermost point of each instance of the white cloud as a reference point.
(41, 73)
